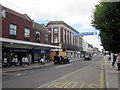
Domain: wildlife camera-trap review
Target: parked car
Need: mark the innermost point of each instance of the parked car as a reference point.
(59, 59)
(87, 57)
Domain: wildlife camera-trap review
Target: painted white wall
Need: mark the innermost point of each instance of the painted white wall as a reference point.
(85, 46)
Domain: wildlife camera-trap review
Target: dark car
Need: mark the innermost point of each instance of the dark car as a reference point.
(87, 57)
(59, 59)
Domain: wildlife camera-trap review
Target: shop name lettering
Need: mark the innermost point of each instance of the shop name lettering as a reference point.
(17, 50)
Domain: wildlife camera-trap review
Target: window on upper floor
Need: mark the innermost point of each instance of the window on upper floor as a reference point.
(55, 30)
(46, 37)
(13, 29)
(37, 35)
(27, 33)
(65, 31)
(55, 40)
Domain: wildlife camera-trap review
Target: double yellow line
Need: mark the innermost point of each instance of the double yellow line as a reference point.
(102, 79)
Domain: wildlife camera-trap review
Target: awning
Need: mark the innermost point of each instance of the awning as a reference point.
(27, 43)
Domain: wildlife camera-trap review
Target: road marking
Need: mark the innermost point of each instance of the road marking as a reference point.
(60, 85)
(67, 85)
(16, 75)
(75, 83)
(62, 66)
(19, 74)
(67, 75)
(93, 86)
(107, 83)
(71, 84)
(102, 76)
(51, 84)
(81, 86)
(61, 78)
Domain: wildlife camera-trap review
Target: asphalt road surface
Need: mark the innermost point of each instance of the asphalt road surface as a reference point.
(77, 74)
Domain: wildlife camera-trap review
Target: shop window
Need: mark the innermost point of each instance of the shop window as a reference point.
(46, 37)
(27, 33)
(13, 29)
(37, 35)
(55, 40)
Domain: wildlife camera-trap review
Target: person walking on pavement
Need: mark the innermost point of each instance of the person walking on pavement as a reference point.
(23, 61)
(14, 61)
(118, 61)
(114, 59)
(42, 61)
(108, 58)
(26, 61)
(30, 58)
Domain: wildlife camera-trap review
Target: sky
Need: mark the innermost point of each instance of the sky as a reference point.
(76, 13)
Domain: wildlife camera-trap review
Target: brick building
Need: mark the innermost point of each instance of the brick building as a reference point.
(61, 35)
(22, 36)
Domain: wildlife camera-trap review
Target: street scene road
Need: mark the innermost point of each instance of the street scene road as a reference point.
(77, 74)
(59, 44)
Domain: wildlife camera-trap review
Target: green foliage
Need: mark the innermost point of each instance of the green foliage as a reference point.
(106, 19)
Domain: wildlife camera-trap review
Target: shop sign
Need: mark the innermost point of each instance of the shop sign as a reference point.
(42, 51)
(16, 50)
(36, 51)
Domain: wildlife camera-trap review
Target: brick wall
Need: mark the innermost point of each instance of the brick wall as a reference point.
(21, 25)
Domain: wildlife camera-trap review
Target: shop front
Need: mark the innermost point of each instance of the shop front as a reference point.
(39, 54)
(34, 55)
(9, 53)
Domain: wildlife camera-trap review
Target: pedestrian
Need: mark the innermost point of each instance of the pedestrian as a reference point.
(114, 59)
(42, 61)
(118, 61)
(16, 61)
(13, 62)
(108, 57)
(26, 61)
(23, 61)
(30, 58)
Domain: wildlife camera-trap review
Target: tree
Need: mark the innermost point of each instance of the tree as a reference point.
(106, 19)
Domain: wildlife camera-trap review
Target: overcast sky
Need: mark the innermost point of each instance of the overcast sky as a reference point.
(76, 13)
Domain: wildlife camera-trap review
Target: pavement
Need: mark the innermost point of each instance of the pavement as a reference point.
(31, 66)
(111, 74)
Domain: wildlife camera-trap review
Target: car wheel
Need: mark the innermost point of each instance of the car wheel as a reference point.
(68, 61)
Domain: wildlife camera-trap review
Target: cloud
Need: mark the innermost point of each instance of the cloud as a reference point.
(94, 40)
(73, 12)
(70, 11)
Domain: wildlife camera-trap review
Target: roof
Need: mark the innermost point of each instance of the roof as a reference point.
(41, 27)
(23, 16)
(61, 22)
